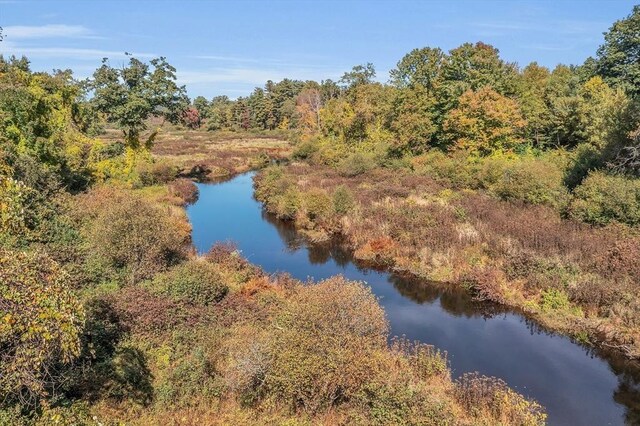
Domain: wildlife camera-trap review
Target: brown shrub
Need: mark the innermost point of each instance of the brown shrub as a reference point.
(185, 190)
(321, 344)
(491, 397)
(485, 283)
(228, 258)
(144, 312)
(621, 258)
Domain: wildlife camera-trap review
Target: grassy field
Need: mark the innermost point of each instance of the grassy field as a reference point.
(206, 155)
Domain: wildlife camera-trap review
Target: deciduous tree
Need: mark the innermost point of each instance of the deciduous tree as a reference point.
(484, 122)
(130, 95)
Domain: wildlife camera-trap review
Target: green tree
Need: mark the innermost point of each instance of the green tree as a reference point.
(130, 95)
(202, 105)
(419, 67)
(219, 113)
(412, 119)
(533, 102)
(618, 59)
(602, 113)
(259, 107)
(563, 102)
(359, 74)
(473, 66)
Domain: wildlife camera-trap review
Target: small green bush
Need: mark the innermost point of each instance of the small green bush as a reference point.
(535, 181)
(317, 203)
(343, 200)
(453, 169)
(156, 172)
(304, 150)
(583, 159)
(602, 198)
(288, 204)
(187, 372)
(554, 300)
(270, 182)
(356, 164)
(133, 234)
(196, 282)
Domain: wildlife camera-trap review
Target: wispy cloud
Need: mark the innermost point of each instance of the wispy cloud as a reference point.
(253, 76)
(570, 27)
(225, 58)
(230, 75)
(22, 32)
(66, 52)
(548, 47)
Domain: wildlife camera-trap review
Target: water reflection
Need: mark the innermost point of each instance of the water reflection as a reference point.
(577, 385)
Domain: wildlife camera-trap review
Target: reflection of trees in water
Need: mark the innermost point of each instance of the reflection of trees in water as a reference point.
(453, 299)
(318, 253)
(459, 303)
(322, 253)
(628, 394)
(628, 391)
(627, 371)
(286, 230)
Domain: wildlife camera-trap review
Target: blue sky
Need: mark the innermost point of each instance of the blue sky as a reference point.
(230, 47)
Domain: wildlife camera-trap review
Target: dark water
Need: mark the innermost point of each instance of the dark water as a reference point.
(577, 386)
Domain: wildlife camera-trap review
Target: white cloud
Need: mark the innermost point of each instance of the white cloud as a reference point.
(548, 47)
(253, 76)
(225, 58)
(66, 52)
(569, 27)
(20, 32)
(230, 75)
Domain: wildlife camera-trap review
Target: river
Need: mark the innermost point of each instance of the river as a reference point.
(577, 385)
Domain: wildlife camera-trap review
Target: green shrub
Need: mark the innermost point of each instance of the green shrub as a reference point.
(330, 152)
(188, 373)
(554, 300)
(602, 198)
(304, 150)
(197, 282)
(134, 234)
(317, 204)
(288, 204)
(453, 169)
(270, 182)
(343, 200)
(40, 325)
(76, 414)
(153, 173)
(356, 164)
(535, 181)
(584, 159)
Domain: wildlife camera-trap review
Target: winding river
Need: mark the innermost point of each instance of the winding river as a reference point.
(578, 386)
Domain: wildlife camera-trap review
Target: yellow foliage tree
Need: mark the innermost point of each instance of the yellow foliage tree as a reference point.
(484, 122)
